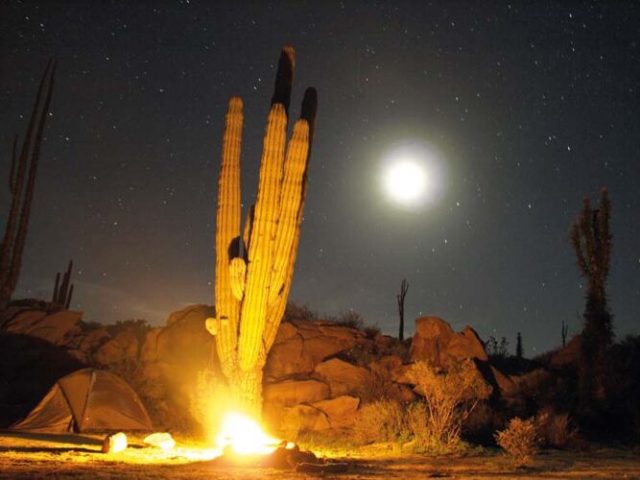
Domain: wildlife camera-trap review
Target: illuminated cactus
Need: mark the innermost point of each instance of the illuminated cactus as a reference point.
(254, 270)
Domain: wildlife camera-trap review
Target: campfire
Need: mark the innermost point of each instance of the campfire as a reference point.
(240, 435)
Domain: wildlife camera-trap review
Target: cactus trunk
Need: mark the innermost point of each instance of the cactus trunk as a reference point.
(254, 271)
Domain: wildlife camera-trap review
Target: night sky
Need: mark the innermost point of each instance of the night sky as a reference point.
(526, 107)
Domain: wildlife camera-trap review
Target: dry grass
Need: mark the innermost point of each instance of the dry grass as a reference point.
(78, 457)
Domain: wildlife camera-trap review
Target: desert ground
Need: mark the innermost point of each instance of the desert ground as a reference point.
(33, 456)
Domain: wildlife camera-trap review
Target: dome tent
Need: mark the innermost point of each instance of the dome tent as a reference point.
(87, 400)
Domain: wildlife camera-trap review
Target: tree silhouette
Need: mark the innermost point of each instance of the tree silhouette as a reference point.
(404, 287)
(519, 350)
(591, 240)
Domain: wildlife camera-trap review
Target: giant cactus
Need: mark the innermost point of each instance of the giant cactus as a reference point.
(254, 268)
(21, 188)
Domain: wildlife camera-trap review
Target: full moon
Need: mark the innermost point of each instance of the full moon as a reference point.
(412, 175)
(406, 181)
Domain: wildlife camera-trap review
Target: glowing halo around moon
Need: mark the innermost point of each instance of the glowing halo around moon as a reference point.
(411, 175)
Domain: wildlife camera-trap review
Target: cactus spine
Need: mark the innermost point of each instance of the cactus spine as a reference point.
(254, 269)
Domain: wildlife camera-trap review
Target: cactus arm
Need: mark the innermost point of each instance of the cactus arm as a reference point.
(227, 229)
(290, 202)
(68, 302)
(279, 304)
(264, 225)
(238, 272)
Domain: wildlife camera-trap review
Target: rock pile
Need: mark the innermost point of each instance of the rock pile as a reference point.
(317, 376)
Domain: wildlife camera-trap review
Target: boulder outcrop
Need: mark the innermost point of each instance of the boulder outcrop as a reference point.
(437, 343)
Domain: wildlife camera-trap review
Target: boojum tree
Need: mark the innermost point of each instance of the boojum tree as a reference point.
(254, 269)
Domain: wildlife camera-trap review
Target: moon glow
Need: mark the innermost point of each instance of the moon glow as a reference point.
(411, 175)
(405, 181)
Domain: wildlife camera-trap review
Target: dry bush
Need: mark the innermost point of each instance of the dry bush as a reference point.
(555, 429)
(382, 421)
(520, 440)
(449, 398)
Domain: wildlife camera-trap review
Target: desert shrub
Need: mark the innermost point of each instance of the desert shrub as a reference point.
(449, 398)
(519, 440)
(555, 429)
(371, 332)
(298, 312)
(375, 387)
(349, 318)
(382, 421)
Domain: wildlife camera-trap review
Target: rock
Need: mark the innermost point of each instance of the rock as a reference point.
(149, 351)
(340, 411)
(437, 343)
(389, 366)
(286, 331)
(294, 392)
(114, 443)
(301, 345)
(184, 347)
(161, 440)
(86, 342)
(506, 386)
(342, 377)
(56, 328)
(287, 359)
(122, 348)
(303, 418)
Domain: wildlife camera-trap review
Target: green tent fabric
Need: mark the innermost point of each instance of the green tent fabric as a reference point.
(87, 400)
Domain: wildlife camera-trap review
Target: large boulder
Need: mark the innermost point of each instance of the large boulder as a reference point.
(437, 343)
(294, 392)
(56, 328)
(340, 411)
(301, 345)
(342, 377)
(121, 349)
(302, 418)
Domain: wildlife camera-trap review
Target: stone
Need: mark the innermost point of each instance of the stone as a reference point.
(120, 349)
(301, 345)
(342, 377)
(295, 392)
(340, 411)
(56, 328)
(437, 343)
(161, 440)
(288, 358)
(505, 384)
(286, 330)
(303, 418)
(114, 443)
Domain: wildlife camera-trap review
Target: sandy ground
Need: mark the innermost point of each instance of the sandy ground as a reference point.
(78, 457)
